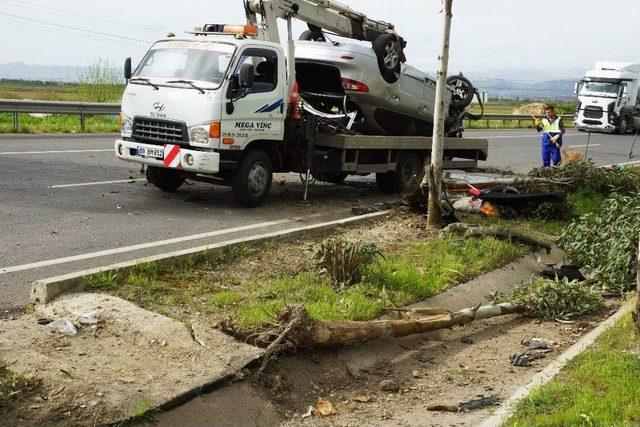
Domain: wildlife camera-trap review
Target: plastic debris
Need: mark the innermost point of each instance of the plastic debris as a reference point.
(88, 319)
(45, 321)
(63, 326)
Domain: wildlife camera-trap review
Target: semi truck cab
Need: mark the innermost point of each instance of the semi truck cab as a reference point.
(609, 98)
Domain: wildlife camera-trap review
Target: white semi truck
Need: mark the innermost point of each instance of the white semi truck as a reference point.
(609, 98)
(220, 105)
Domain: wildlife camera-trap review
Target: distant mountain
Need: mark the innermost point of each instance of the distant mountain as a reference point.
(529, 75)
(512, 89)
(21, 70)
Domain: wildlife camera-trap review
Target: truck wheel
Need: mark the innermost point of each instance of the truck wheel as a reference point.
(407, 166)
(251, 182)
(333, 178)
(624, 126)
(312, 36)
(463, 92)
(387, 48)
(165, 179)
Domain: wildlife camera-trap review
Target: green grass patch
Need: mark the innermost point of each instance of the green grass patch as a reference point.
(599, 387)
(58, 123)
(252, 285)
(15, 389)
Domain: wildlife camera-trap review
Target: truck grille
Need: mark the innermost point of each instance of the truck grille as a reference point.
(157, 130)
(593, 112)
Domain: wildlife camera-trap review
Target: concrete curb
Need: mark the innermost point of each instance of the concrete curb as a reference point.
(547, 374)
(45, 290)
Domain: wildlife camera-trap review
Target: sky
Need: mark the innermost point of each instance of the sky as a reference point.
(553, 37)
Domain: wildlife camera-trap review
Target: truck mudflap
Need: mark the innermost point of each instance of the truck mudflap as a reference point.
(168, 156)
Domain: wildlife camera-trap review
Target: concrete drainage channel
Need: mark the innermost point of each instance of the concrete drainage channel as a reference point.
(195, 342)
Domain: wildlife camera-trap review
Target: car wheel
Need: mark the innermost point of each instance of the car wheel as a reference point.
(388, 51)
(312, 36)
(624, 126)
(407, 167)
(463, 92)
(165, 179)
(251, 182)
(332, 178)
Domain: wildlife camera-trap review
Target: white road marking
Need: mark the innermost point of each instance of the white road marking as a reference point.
(125, 249)
(584, 145)
(635, 162)
(8, 153)
(84, 184)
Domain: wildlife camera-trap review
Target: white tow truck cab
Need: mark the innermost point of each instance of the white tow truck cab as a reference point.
(220, 105)
(609, 98)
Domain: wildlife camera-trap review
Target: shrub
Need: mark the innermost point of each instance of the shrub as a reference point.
(606, 241)
(344, 262)
(586, 175)
(551, 299)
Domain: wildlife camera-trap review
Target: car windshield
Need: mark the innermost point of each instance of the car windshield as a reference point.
(600, 89)
(203, 62)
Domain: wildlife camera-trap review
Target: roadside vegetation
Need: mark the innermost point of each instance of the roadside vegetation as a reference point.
(253, 284)
(599, 387)
(15, 389)
(58, 123)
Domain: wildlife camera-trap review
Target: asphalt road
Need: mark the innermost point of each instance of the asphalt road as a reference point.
(67, 204)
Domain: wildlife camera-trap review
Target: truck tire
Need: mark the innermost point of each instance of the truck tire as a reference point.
(332, 178)
(165, 179)
(251, 182)
(387, 48)
(623, 128)
(463, 92)
(407, 166)
(312, 36)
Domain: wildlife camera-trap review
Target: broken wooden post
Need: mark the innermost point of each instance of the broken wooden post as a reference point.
(437, 148)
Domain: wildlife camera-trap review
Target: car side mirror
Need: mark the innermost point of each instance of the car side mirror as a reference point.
(247, 73)
(127, 69)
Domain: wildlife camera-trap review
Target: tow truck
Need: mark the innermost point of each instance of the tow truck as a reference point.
(221, 105)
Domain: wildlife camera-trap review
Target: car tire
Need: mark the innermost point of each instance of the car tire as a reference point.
(165, 179)
(332, 178)
(388, 51)
(408, 165)
(623, 128)
(252, 180)
(463, 92)
(312, 36)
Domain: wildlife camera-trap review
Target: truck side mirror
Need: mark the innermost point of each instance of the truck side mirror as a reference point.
(247, 73)
(127, 69)
(576, 88)
(625, 91)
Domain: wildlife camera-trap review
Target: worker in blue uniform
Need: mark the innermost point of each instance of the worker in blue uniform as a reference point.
(553, 129)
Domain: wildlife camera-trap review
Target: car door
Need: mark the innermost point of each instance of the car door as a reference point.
(259, 114)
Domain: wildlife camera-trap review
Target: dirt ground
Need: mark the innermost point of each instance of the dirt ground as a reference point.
(393, 381)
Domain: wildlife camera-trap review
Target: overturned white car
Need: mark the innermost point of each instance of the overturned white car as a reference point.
(385, 95)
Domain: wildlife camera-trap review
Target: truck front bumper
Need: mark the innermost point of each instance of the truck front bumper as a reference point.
(594, 128)
(205, 162)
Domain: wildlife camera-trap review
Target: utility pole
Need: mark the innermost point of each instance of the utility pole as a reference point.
(437, 147)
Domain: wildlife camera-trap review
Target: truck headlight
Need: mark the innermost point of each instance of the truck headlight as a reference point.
(126, 125)
(199, 134)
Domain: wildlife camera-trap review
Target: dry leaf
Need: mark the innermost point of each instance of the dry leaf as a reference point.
(324, 408)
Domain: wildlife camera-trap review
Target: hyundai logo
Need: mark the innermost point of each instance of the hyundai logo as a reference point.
(158, 106)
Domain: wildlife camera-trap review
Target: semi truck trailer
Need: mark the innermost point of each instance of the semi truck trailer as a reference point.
(609, 98)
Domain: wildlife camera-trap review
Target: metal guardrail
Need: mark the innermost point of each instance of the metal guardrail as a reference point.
(568, 118)
(82, 109)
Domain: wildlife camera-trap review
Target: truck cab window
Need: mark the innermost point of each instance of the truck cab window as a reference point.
(265, 65)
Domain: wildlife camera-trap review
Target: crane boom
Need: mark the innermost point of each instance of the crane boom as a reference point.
(322, 14)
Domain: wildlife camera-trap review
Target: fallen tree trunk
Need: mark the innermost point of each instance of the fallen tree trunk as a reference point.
(299, 330)
(467, 231)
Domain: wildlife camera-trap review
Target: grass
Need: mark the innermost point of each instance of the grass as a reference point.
(15, 389)
(58, 123)
(252, 284)
(599, 387)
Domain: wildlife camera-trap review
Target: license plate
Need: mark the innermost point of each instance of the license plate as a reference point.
(150, 152)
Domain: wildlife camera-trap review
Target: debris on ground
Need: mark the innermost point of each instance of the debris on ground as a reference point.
(480, 402)
(560, 271)
(524, 360)
(324, 408)
(365, 398)
(389, 385)
(63, 326)
(539, 344)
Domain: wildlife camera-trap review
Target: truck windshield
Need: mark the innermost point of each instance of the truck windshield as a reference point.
(205, 62)
(600, 89)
